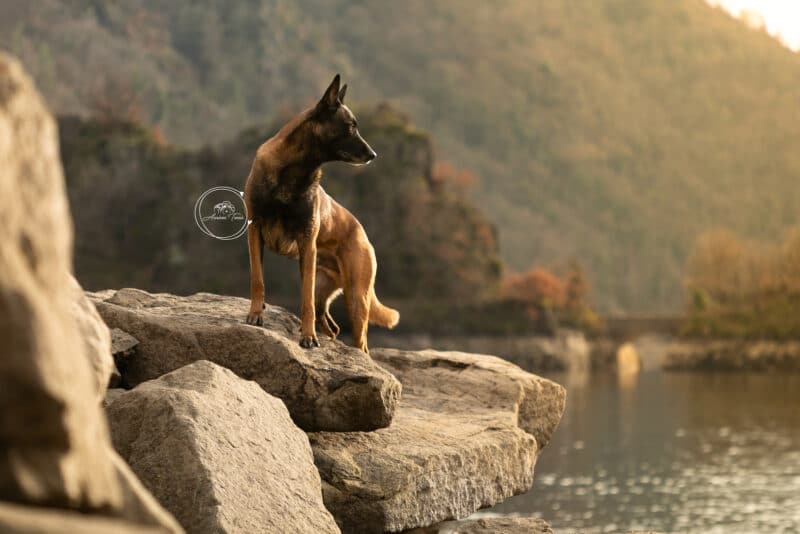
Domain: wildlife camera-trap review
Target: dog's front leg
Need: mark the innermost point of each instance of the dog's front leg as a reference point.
(308, 270)
(255, 247)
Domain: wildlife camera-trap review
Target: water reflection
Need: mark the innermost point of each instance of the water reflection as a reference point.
(674, 453)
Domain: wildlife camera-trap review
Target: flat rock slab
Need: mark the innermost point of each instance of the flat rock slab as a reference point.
(220, 453)
(466, 436)
(334, 387)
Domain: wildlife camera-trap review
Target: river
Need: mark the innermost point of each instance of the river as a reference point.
(672, 453)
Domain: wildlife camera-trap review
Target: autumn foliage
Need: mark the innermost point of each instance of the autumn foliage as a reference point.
(564, 299)
(536, 286)
(446, 174)
(742, 288)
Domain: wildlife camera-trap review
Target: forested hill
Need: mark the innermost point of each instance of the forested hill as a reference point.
(611, 131)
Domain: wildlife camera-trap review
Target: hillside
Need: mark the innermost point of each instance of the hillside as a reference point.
(611, 131)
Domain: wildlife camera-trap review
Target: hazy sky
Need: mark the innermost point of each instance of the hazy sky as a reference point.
(782, 17)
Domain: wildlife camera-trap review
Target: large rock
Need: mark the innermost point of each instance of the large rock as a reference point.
(50, 430)
(138, 505)
(220, 453)
(54, 443)
(95, 336)
(466, 436)
(334, 387)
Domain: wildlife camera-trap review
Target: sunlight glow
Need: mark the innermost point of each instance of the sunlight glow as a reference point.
(781, 18)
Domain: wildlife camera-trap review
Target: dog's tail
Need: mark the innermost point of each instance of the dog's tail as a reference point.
(382, 315)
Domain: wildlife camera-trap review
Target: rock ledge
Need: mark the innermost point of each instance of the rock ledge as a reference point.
(466, 436)
(334, 387)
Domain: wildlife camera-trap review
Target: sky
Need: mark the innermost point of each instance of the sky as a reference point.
(781, 17)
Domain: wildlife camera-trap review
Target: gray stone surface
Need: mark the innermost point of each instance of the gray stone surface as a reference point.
(220, 453)
(466, 435)
(334, 387)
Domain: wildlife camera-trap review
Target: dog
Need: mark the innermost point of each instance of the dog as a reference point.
(290, 213)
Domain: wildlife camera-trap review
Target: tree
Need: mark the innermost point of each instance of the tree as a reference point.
(716, 266)
(536, 286)
(577, 287)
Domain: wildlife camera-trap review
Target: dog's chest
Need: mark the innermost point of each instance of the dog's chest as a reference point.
(285, 219)
(278, 240)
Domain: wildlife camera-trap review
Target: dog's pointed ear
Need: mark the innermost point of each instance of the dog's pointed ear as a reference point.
(331, 97)
(342, 93)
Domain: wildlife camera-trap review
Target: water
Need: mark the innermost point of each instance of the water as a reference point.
(673, 453)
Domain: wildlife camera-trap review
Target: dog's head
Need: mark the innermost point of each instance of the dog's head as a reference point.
(336, 128)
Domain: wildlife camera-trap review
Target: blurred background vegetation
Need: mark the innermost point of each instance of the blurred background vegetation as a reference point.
(519, 135)
(741, 288)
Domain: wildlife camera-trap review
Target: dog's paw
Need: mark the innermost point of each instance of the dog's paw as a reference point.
(255, 318)
(308, 342)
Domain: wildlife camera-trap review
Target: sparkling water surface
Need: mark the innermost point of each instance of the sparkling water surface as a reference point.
(687, 452)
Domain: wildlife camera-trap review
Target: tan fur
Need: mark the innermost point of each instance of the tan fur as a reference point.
(334, 252)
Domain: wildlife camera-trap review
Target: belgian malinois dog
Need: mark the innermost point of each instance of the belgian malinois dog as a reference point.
(291, 214)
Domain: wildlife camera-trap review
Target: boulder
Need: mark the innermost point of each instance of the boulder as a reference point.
(220, 453)
(466, 436)
(51, 430)
(16, 519)
(334, 387)
(138, 504)
(54, 445)
(489, 525)
(95, 336)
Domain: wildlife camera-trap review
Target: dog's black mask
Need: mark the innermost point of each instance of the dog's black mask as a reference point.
(336, 128)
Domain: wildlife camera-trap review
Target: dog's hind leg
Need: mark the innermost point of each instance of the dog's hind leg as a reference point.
(358, 308)
(359, 279)
(326, 291)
